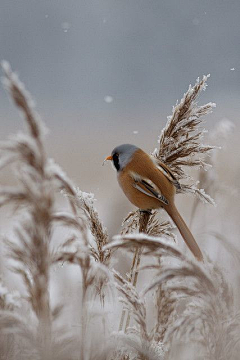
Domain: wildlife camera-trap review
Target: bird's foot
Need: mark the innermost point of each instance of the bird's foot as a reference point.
(148, 211)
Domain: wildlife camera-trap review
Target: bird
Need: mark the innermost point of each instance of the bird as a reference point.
(149, 184)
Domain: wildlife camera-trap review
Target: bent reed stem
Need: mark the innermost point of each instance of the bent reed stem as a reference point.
(143, 222)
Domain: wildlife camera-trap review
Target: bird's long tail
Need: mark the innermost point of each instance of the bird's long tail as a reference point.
(184, 231)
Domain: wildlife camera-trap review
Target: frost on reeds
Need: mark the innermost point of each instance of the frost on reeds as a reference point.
(180, 142)
(208, 319)
(30, 249)
(178, 300)
(85, 202)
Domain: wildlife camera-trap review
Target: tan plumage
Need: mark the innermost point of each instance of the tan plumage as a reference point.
(150, 185)
(141, 164)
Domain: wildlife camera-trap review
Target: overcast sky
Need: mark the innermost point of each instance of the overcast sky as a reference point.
(143, 53)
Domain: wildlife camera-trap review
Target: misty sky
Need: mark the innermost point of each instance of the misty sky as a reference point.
(143, 53)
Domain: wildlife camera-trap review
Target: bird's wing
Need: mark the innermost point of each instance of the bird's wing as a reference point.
(147, 187)
(168, 173)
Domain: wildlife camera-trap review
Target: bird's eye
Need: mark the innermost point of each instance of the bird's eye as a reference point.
(116, 161)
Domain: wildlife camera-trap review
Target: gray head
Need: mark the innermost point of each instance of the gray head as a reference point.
(122, 154)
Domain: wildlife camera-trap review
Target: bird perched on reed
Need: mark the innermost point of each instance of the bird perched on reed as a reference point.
(150, 184)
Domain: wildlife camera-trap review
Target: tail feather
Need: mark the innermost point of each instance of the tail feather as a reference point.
(184, 231)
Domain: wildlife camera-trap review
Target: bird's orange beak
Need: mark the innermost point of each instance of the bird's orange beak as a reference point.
(107, 158)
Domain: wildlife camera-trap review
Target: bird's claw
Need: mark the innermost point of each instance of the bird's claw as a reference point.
(149, 212)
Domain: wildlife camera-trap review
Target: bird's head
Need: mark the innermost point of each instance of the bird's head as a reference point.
(122, 155)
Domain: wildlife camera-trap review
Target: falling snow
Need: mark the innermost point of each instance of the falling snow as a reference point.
(65, 26)
(108, 99)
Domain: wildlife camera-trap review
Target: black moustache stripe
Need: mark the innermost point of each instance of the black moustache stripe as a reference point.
(116, 161)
